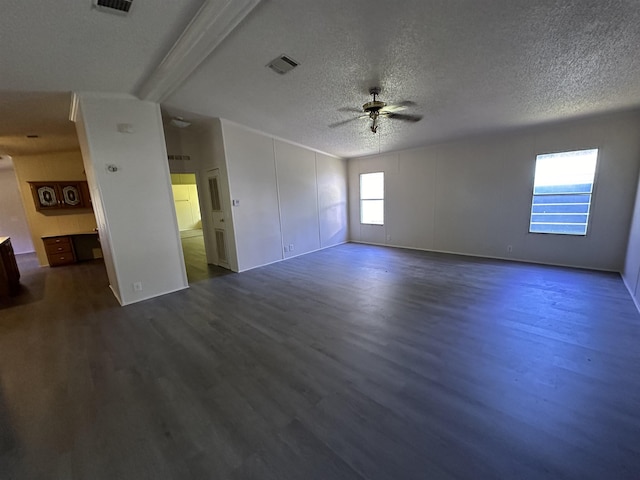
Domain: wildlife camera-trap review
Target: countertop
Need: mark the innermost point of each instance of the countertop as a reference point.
(69, 234)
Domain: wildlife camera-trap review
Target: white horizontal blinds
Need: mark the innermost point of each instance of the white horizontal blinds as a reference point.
(372, 198)
(562, 192)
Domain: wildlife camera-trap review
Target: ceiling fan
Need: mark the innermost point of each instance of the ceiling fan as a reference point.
(376, 109)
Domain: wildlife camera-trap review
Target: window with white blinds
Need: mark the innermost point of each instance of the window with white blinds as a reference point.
(562, 191)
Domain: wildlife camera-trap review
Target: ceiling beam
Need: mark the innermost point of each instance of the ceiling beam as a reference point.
(214, 21)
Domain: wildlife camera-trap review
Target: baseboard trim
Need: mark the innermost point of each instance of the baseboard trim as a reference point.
(148, 297)
(633, 298)
(115, 294)
(289, 258)
(508, 259)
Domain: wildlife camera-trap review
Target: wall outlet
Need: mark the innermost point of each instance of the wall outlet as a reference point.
(509, 248)
(137, 286)
(291, 247)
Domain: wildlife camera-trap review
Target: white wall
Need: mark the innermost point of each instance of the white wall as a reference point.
(298, 198)
(331, 173)
(474, 196)
(13, 221)
(631, 271)
(185, 199)
(288, 195)
(183, 142)
(134, 206)
(252, 181)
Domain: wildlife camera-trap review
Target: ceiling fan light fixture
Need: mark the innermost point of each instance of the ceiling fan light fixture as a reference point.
(374, 109)
(374, 106)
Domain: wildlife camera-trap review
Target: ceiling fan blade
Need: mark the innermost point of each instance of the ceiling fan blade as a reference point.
(392, 109)
(350, 109)
(405, 117)
(343, 122)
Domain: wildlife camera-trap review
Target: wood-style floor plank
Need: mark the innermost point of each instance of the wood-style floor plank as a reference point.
(356, 362)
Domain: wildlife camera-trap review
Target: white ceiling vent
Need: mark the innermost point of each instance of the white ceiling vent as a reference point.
(283, 64)
(120, 7)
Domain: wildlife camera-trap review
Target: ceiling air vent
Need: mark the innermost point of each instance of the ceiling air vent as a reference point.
(283, 64)
(114, 6)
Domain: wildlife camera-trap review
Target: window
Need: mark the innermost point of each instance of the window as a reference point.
(562, 192)
(372, 198)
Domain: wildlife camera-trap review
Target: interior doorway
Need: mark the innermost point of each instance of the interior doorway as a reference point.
(187, 205)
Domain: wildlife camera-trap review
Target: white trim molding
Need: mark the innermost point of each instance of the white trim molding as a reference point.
(215, 20)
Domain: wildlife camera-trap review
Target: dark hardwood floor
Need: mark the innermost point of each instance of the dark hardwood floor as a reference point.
(356, 362)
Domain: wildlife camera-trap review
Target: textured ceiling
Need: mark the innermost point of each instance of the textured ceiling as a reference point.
(49, 49)
(67, 45)
(35, 113)
(470, 66)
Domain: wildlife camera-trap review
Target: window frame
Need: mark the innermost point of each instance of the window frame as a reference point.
(591, 194)
(371, 199)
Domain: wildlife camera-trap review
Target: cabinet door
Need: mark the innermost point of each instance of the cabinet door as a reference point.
(45, 195)
(86, 196)
(70, 194)
(54, 195)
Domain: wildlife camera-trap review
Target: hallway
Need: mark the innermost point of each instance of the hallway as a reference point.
(195, 259)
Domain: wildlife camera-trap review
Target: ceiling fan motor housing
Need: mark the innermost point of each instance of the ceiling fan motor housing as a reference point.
(373, 106)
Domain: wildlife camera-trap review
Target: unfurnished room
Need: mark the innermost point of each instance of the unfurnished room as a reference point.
(280, 239)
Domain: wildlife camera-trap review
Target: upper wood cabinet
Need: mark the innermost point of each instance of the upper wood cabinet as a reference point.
(56, 195)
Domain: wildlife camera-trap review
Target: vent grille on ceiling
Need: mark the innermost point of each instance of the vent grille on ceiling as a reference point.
(283, 64)
(114, 6)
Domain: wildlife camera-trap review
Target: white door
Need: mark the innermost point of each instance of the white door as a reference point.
(219, 234)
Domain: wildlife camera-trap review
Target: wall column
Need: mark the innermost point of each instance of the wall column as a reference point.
(125, 158)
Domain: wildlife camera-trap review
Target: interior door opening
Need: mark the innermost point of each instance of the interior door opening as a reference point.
(187, 205)
(189, 213)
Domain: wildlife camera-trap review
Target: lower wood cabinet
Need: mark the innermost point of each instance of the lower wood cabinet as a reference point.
(9, 273)
(59, 250)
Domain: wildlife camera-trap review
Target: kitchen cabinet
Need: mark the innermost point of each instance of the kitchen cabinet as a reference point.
(9, 273)
(60, 195)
